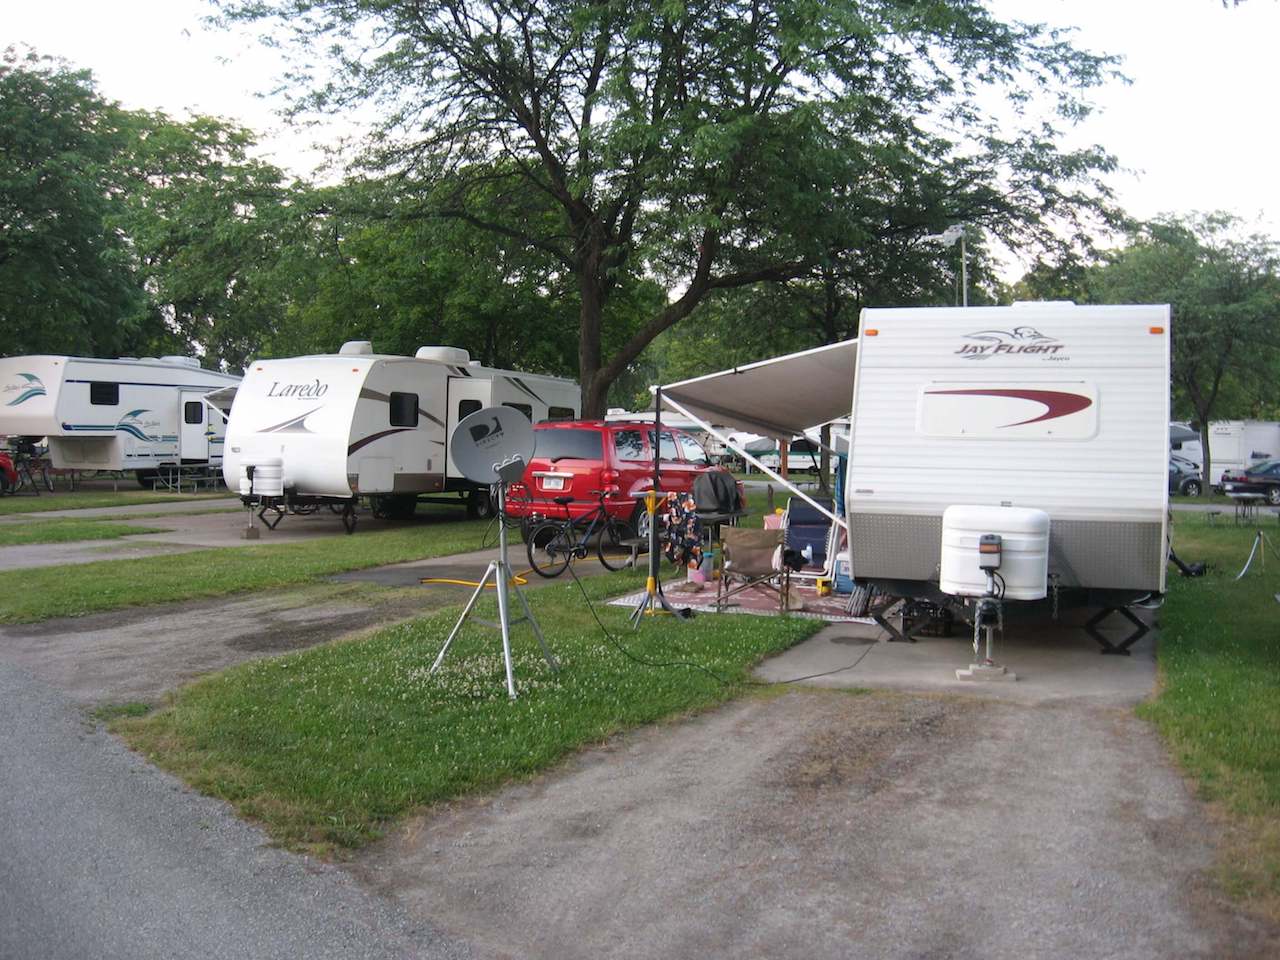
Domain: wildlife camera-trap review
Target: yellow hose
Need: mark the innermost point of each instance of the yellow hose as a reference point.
(519, 580)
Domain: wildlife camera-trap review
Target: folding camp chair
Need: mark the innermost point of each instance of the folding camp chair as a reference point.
(748, 559)
(806, 528)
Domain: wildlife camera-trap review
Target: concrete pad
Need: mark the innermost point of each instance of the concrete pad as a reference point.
(30, 556)
(1053, 661)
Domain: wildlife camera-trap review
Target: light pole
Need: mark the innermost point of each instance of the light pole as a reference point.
(947, 237)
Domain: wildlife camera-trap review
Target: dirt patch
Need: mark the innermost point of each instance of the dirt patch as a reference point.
(822, 824)
(138, 654)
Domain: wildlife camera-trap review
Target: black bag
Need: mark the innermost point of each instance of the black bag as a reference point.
(715, 491)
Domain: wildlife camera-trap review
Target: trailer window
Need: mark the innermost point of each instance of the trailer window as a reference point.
(629, 445)
(557, 444)
(468, 407)
(524, 408)
(104, 394)
(404, 409)
(560, 413)
(193, 412)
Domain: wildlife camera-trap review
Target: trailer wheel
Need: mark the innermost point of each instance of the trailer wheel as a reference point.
(144, 478)
(479, 505)
(396, 506)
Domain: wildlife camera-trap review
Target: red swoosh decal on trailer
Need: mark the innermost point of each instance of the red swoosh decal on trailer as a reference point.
(1057, 404)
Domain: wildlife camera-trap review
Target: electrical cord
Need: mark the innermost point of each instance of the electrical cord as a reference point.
(697, 666)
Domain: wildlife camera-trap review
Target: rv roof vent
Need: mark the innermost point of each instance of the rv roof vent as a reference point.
(455, 355)
(181, 361)
(477, 363)
(356, 348)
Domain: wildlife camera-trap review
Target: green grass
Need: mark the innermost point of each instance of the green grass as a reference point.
(327, 746)
(57, 530)
(68, 591)
(27, 503)
(1219, 703)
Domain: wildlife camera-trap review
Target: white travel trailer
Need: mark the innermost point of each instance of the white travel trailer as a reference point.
(359, 424)
(127, 414)
(1044, 423)
(1053, 407)
(1236, 445)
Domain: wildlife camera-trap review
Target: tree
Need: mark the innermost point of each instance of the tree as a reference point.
(709, 145)
(1224, 290)
(66, 283)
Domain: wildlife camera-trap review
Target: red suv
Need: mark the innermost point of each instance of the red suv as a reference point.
(575, 458)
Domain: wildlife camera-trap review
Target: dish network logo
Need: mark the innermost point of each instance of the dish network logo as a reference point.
(1007, 342)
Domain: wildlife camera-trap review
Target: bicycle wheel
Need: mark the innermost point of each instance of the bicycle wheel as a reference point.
(613, 554)
(549, 548)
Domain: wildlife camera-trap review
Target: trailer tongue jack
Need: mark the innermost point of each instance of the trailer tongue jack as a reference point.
(988, 615)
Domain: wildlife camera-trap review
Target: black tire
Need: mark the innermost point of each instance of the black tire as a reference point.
(1273, 496)
(640, 522)
(549, 549)
(5, 485)
(1191, 488)
(480, 505)
(613, 555)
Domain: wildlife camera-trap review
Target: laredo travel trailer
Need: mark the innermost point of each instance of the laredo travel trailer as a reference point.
(1043, 424)
(143, 415)
(355, 424)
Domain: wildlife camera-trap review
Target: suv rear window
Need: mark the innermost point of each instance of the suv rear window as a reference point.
(568, 444)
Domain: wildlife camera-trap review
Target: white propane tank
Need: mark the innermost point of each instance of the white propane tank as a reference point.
(268, 478)
(1024, 561)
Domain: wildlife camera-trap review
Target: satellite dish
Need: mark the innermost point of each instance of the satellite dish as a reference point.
(484, 441)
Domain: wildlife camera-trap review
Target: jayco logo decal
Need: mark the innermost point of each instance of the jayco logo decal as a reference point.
(308, 391)
(31, 386)
(1023, 340)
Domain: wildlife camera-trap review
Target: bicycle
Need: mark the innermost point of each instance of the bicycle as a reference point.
(32, 474)
(552, 544)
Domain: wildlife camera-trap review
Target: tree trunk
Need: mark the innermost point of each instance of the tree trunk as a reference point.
(1207, 483)
(595, 389)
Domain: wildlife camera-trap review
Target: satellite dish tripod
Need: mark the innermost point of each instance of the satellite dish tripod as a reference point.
(499, 573)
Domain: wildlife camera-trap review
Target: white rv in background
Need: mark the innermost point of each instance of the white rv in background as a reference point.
(1235, 445)
(1057, 408)
(125, 414)
(359, 424)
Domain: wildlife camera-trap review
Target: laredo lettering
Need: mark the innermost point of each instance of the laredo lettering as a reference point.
(306, 390)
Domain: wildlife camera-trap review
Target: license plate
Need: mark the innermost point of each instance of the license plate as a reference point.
(553, 483)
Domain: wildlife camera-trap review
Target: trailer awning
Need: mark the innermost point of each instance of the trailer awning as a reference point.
(222, 398)
(781, 397)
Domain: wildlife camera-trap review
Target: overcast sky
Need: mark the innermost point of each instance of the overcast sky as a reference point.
(1195, 127)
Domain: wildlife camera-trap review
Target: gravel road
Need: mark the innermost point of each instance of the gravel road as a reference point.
(831, 824)
(106, 857)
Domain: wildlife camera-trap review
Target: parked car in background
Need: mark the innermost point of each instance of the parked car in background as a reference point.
(1260, 480)
(1185, 477)
(576, 458)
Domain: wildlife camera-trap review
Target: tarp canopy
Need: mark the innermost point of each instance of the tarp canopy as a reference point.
(781, 397)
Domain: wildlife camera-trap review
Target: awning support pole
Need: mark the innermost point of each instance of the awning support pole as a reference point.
(723, 438)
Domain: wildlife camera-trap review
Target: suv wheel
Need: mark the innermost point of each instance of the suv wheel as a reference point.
(1191, 488)
(1273, 496)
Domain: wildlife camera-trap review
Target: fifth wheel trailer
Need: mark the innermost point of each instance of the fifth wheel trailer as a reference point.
(125, 414)
(1051, 407)
(358, 424)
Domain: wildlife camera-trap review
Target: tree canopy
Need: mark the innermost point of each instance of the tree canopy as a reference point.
(704, 146)
(1223, 285)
